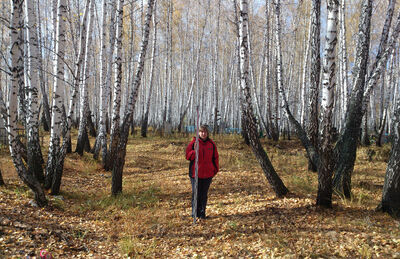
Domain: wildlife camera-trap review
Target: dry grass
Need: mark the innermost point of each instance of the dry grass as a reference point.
(152, 216)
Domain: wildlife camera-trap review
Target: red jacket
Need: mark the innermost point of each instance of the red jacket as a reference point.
(208, 158)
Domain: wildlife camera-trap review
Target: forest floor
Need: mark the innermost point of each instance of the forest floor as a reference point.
(152, 216)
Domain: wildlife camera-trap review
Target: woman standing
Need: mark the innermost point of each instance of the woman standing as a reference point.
(208, 168)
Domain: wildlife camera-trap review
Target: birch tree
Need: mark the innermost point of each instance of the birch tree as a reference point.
(120, 153)
(145, 119)
(102, 133)
(115, 127)
(390, 201)
(57, 103)
(347, 145)
(16, 53)
(35, 158)
(313, 124)
(326, 166)
(251, 126)
(215, 69)
(83, 57)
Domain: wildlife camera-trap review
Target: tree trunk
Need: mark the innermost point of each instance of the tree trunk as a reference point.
(35, 158)
(364, 131)
(145, 119)
(120, 153)
(102, 133)
(1, 179)
(115, 127)
(346, 147)
(58, 95)
(390, 202)
(313, 124)
(382, 129)
(45, 99)
(215, 73)
(84, 96)
(17, 71)
(326, 166)
(250, 123)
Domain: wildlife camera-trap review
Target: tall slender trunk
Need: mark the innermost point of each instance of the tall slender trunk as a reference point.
(84, 98)
(304, 80)
(250, 123)
(343, 62)
(42, 80)
(313, 124)
(194, 76)
(17, 72)
(346, 146)
(326, 166)
(115, 126)
(119, 161)
(35, 158)
(58, 94)
(102, 133)
(145, 119)
(390, 202)
(215, 80)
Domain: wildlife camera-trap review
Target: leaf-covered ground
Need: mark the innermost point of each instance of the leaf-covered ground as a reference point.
(152, 216)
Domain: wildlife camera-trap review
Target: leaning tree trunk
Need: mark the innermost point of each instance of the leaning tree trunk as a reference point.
(17, 72)
(313, 124)
(326, 166)
(120, 152)
(346, 147)
(35, 158)
(311, 150)
(390, 202)
(145, 119)
(250, 122)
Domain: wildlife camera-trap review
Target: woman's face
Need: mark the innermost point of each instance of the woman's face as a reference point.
(203, 133)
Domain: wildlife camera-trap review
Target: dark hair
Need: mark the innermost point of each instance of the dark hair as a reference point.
(204, 127)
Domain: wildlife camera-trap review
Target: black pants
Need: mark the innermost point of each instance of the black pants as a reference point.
(202, 191)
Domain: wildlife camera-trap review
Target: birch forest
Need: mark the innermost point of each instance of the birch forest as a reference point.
(91, 90)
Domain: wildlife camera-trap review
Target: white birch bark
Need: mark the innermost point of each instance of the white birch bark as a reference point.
(326, 167)
(304, 80)
(250, 123)
(58, 86)
(343, 61)
(151, 81)
(35, 158)
(119, 161)
(102, 135)
(85, 43)
(195, 74)
(12, 123)
(115, 127)
(215, 73)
